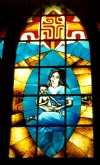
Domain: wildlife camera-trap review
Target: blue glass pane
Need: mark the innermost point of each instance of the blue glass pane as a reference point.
(32, 83)
(76, 100)
(43, 79)
(54, 143)
(75, 110)
(31, 89)
(77, 50)
(28, 113)
(44, 49)
(75, 90)
(85, 44)
(80, 49)
(84, 53)
(61, 49)
(18, 59)
(87, 57)
(33, 79)
(44, 62)
(29, 105)
(1, 47)
(44, 71)
(32, 132)
(72, 117)
(25, 51)
(70, 47)
(69, 130)
(52, 59)
(72, 81)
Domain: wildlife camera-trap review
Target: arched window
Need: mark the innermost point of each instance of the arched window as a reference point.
(52, 91)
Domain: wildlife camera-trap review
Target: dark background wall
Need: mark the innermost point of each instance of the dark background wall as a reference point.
(13, 15)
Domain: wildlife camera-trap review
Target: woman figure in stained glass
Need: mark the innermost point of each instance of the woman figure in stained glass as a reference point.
(57, 84)
(56, 81)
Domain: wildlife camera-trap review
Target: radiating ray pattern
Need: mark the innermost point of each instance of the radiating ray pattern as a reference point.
(80, 50)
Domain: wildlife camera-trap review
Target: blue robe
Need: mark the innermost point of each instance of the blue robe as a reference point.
(53, 120)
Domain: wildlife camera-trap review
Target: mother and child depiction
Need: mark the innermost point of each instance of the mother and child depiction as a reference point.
(53, 100)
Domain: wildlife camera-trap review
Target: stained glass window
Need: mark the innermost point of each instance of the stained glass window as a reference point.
(2, 36)
(52, 114)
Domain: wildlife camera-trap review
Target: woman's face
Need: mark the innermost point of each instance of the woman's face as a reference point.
(55, 79)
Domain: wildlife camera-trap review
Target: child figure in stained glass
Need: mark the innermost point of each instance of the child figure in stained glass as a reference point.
(44, 102)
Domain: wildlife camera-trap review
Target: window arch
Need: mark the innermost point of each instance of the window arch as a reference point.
(53, 38)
